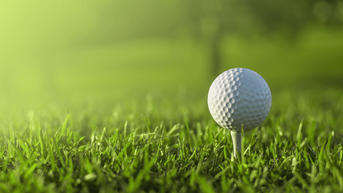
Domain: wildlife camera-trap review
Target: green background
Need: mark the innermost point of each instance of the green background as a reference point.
(111, 96)
(70, 52)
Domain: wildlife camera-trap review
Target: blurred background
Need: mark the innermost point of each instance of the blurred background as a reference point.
(79, 50)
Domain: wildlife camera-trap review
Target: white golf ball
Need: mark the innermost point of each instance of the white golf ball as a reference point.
(239, 96)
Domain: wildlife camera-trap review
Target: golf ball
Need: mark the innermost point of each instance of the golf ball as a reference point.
(239, 96)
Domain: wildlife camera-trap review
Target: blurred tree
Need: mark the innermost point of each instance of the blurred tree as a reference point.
(213, 20)
(210, 21)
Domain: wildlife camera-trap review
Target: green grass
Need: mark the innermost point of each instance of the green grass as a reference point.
(133, 117)
(164, 143)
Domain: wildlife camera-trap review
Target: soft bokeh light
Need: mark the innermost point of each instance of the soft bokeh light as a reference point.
(54, 50)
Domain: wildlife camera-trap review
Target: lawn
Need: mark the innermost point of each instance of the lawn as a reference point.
(134, 118)
(173, 145)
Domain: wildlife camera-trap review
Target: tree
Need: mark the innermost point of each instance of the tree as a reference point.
(212, 20)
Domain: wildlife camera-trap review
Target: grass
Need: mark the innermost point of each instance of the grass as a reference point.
(71, 126)
(166, 144)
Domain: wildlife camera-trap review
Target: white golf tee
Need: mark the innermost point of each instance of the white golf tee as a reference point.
(236, 141)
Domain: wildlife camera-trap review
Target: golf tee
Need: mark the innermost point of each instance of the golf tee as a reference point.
(236, 141)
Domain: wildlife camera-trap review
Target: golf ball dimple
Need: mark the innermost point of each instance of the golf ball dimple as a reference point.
(239, 96)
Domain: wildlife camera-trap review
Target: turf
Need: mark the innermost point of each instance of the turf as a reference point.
(55, 138)
(157, 145)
